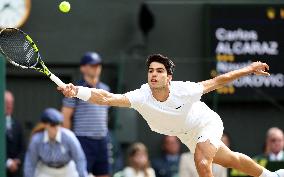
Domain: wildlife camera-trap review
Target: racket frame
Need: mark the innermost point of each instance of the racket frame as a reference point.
(43, 69)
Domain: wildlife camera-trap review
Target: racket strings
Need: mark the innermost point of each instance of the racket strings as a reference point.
(17, 48)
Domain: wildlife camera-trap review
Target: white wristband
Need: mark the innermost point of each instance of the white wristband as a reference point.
(84, 93)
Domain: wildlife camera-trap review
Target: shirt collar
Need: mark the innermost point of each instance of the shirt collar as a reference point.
(9, 122)
(276, 157)
(58, 136)
(8, 118)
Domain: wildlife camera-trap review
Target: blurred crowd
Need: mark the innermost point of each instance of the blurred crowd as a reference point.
(75, 142)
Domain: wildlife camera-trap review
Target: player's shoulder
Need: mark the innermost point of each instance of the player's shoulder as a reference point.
(145, 90)
(145, 86)
(138, 95)
(184, 84)
(183, 88)
(178, 85)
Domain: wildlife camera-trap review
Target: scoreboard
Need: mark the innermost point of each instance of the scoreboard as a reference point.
(240, 34)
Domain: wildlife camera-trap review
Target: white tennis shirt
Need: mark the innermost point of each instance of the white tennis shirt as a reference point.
(181, 112)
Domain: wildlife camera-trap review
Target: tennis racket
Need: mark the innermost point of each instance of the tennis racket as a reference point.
(20, 50)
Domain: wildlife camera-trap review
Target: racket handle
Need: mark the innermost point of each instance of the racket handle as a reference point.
(57, 80)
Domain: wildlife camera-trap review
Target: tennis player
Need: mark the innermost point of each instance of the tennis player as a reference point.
(174, 108)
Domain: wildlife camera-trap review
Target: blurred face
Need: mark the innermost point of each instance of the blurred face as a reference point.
(52, 130)
(140, 159)
(9, 103)
(157, 76)
(275, 142)
(171, 145)
(91, 72)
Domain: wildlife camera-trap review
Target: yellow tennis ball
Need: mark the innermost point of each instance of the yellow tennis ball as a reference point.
(64, 6)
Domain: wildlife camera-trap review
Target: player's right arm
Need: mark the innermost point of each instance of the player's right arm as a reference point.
(96, 96)
(103, 97)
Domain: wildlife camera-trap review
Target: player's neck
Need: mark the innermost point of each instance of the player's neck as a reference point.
(161, 94)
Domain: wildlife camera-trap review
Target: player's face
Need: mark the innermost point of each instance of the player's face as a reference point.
(157, 76)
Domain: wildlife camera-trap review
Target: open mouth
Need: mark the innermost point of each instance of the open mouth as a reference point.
(153, 80)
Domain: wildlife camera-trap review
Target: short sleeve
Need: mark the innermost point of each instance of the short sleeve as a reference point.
(136, 98)
(194, 90)
(69, 102)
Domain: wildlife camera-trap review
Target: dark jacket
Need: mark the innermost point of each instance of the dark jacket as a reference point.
(14, 144)
(166, 168)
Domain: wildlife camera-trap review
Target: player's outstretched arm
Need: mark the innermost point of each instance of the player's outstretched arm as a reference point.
(96, 96)
(257, 68)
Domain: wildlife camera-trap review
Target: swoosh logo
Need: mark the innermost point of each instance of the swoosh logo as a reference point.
(179, 106)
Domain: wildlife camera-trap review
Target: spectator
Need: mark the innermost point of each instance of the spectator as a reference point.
(273, 146)
(53, 150)
(116, 159)
(138, 163)
(90, 121)
(14, 139)
(167, 165)
(187, 165)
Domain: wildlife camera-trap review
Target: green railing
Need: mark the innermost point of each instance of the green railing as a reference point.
(2, 119)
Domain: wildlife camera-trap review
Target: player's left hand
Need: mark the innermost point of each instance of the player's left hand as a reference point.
(259, 68)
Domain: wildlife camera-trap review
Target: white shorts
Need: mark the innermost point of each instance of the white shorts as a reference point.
(212, 131)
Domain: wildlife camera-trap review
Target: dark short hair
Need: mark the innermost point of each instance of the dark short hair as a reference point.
(169, 64)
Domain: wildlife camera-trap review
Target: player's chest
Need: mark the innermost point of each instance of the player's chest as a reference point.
(171, 106)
